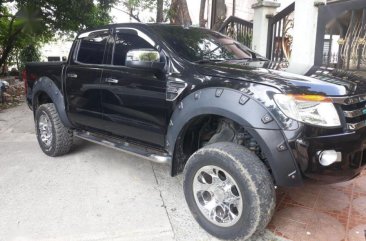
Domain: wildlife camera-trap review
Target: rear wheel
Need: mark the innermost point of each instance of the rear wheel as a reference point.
(53, 137)
(229, 190)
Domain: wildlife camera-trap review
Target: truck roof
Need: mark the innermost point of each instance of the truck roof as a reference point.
(163, 25)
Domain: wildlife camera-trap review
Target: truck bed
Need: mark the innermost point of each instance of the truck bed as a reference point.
(34, 70)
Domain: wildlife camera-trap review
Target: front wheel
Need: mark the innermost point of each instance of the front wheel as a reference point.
(229, 190)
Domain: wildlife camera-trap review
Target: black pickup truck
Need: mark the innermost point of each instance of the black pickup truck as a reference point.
(207, 106)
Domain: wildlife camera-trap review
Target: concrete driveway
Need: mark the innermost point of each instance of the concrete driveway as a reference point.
(93, 193)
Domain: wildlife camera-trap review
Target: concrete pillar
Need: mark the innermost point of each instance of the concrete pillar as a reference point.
(304, 36)
(260, 24)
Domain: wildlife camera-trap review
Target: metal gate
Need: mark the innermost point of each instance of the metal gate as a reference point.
(238, 29)
(279, 45)
(341, 35)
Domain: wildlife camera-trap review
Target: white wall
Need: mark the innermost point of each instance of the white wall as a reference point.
(284, 4)
(60, 48)
(304, 37)
(243, 8)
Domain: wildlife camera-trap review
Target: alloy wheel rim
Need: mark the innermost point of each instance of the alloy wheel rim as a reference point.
(217, 196)
(45, 129)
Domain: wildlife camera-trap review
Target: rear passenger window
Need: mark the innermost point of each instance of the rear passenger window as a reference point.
(92, 47)
(126, 40)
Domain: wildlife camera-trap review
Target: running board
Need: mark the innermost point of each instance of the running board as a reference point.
(127, 147)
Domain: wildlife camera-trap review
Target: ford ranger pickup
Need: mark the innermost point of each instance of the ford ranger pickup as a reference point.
(207, 106)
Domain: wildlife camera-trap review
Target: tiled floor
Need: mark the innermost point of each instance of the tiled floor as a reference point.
(334, 212)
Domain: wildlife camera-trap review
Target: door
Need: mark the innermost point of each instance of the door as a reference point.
(133, 100)
(83, 77)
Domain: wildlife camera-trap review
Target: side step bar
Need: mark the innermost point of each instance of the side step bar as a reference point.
(124, 146)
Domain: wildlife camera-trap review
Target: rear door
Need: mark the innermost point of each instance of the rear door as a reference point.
(133, 100)
(83, 77)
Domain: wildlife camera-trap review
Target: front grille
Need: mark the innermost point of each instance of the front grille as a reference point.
(354, 111)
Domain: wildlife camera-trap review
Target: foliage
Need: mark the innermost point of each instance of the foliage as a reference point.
(149, 56)
(31, 22)
(29, 54)
(245, 39)
(135, 7)
(179, 14)
(69, 15)
(37, 21)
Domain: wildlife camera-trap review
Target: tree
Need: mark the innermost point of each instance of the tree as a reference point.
(135, 7)
(179, 13)
(174, 10)
(160, 11)
(40, 20)
(29, 54)
(202, 20)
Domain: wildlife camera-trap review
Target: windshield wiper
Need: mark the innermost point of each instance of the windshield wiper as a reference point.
(207, 61)
(251, 59)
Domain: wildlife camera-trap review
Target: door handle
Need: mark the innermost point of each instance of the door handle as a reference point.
(111, 80)
(72, 75)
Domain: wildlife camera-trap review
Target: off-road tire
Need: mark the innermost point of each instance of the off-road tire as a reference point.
(254, 182)
(62, 137)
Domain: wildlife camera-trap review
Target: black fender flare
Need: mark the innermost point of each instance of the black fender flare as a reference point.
(46, 85)
(247, 112)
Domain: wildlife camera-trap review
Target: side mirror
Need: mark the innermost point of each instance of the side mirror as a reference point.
(148, 59)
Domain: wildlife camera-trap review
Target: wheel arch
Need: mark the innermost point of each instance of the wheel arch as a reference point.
(46, 88)
(234, 105)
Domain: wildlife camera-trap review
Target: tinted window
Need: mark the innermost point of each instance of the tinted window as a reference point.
(126, 40)
(92, 48)
(196, 44)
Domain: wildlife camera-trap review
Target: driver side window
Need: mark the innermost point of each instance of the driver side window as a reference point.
(126, 40)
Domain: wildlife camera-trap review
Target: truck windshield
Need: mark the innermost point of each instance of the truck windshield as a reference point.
(196, 44)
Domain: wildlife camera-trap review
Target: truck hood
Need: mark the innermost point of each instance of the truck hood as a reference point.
(286, 82)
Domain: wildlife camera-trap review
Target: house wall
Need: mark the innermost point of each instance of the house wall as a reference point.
(284, 4)
(243, 8)
(56, 49)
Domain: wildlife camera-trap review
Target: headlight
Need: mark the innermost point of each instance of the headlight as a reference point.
(312, 109)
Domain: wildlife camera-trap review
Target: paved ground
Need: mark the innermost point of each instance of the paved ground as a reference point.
(93, 193)
(328, 212)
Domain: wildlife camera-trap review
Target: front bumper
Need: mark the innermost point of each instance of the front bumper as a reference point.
(352, 145)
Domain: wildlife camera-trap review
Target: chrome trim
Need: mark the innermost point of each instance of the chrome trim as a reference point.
(72, 75)
(86, 34)
(170, 88)
(140, 34)
(349, 100)
(111, 80)
(143, 55)
(127, 147)
(217, 196)
(354, 113)
(45, 129)
(356, 126)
